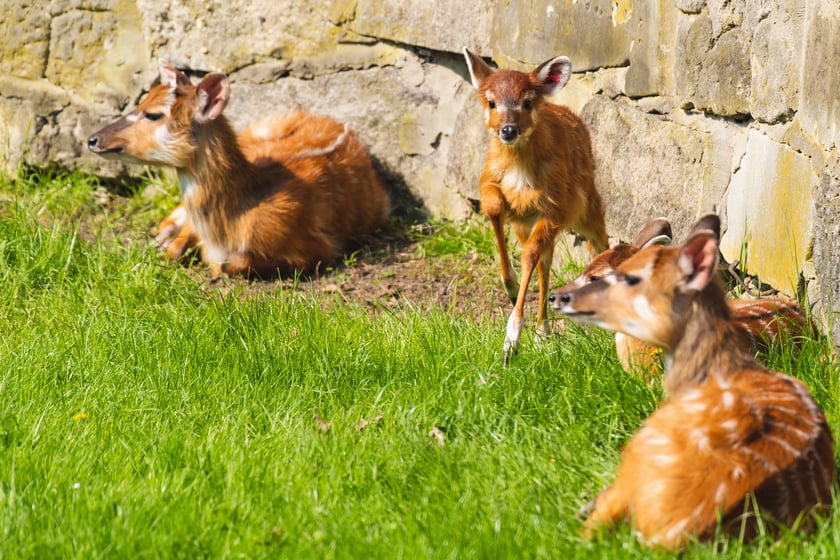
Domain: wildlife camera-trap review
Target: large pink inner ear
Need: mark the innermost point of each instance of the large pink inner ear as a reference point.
(698, 261)
(213, 93)
(553, 75)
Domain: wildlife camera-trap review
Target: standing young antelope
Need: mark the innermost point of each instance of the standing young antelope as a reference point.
(287, 194)
(731, 434)
(539, 175)
(763, 322)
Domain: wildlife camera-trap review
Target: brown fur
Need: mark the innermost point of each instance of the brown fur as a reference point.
(763, 322)
(541, 182)
(287, 194)
(730, 434)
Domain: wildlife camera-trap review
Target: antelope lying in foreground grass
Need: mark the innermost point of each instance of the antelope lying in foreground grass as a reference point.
(539, 174)
(762, 322)
(288, 193)
(731, 435)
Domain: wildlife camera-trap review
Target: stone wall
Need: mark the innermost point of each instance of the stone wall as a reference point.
(694, 105)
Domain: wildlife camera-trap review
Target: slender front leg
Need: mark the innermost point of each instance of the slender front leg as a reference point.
(544, 275)
(535, 246)
(175, 234)
(610, 507)
(493, 206)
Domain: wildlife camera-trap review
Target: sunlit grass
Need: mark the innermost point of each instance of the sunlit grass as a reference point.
(145, 414)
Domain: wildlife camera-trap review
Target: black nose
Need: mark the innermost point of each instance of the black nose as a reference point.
(551, 298)
(509, 132)
(93, 142)
(565, 298)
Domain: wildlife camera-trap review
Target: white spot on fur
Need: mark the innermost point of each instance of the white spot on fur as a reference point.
(700, 438)
(694, 407)
(729, 425)
(676, 530)
(720, 493)
(728, 399)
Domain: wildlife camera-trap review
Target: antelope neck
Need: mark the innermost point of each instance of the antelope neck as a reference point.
(709, 345)
(220, 178)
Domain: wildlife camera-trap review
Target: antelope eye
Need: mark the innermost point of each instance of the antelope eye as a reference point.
(491, 104)
(527, 105)
(154, 116)
(594, 278)
(632, 280)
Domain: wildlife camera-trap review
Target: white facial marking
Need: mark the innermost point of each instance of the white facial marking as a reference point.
(643, 309)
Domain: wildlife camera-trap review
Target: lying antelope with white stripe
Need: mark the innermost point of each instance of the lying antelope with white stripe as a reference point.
(763, 322)
(731, 434)
(287, 194)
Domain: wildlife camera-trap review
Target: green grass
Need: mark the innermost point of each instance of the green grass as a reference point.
(145, 415)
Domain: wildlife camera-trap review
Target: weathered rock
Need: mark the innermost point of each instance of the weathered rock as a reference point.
(592, 33)
(714, 74)
(684, 173)
(826, 248)
(774, 61)
(24, 39)
(819, 102)
(770, 212)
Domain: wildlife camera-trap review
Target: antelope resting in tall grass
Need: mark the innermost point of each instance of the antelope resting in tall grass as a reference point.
(287, 194)
(763, 322)
(731, 435)
(539, 175)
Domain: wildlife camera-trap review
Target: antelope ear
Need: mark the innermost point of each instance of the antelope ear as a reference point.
(553, 75)
(656, 232)
(213, 93)
(698, 261)
(171, 76)
(479, 70)
(709, 222)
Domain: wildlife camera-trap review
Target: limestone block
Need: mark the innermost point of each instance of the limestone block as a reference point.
(594, 33)
(649, 166)
(713, 74)
(221, 36)
(653, 49)
(441, 26)
(775, 61)
(99, 56)
(24, 38)
(690, 6)
(769, 210)
(819, 102)
(826, 248)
